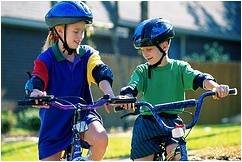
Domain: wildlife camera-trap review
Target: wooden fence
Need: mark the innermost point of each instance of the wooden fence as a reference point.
(213, 111)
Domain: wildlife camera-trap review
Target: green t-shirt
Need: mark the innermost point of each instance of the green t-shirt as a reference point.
(167, 83)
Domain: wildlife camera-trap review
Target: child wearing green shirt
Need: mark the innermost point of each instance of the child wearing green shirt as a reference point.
(161, 80)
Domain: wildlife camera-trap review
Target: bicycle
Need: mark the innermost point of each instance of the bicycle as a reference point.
(75, 151)
(177, 132)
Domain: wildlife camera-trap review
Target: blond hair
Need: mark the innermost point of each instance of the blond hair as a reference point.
(51, 39)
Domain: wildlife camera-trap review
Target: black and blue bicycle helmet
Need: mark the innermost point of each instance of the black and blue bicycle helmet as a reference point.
(68, 12)
(152, 32)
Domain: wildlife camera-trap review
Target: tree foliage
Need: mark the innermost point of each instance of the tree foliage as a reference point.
(211, 52)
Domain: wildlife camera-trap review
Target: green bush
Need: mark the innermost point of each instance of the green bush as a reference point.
(8, 119)
(29, 119)
(211, 52)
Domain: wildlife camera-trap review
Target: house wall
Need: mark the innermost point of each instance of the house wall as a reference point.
(19, 47)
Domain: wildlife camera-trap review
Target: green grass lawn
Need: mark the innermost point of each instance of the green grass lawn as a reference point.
(22, 150)
(214, 136)
(119, 144)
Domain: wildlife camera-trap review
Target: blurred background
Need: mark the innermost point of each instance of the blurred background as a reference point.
(208, 36)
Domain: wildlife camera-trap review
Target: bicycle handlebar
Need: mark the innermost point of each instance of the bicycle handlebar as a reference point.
(189, 102)
(56, 102)
(31, 101)
(155, 109)
(178, 104)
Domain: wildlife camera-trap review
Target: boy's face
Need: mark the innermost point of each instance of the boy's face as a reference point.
(74, 34)
(151, 54)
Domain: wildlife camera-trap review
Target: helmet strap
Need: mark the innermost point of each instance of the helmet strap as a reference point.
(158, 62)
(65, 45)
(69, 50)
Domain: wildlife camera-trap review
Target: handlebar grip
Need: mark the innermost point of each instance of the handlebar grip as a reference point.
(118, 108)
(233, 91)
(42, 98)
(28, 101)
(122, 100)
(135, 107)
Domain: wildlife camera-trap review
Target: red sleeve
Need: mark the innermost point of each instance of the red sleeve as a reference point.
(41, 71)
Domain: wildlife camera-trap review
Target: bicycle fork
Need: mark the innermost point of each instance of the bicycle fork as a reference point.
(76, 150)
(183, 149)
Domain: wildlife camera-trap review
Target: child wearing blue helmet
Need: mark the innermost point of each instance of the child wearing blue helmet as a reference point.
(161, 80)
(67, 68)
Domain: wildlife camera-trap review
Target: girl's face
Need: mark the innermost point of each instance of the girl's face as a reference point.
(74, 34)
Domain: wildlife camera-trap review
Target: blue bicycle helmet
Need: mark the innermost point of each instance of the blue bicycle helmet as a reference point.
(152, 32)
(68, 12)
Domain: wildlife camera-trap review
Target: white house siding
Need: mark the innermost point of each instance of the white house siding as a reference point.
(33, 10)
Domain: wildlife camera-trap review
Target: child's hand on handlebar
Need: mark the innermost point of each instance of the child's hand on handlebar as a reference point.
(108, 106)
(38, 93)
(221, 91)
(126, 106)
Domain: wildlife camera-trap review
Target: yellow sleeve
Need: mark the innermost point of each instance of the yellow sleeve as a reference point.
(93, 61)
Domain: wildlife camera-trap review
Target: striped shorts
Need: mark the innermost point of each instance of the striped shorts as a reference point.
(146, 130)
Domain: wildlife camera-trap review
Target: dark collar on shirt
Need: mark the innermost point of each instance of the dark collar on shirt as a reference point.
(58, 54)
